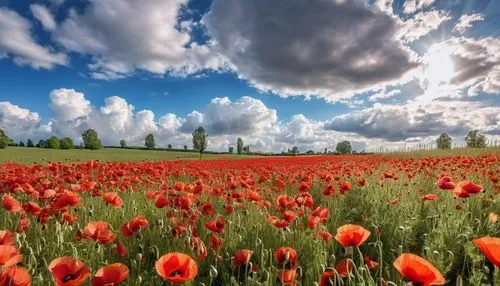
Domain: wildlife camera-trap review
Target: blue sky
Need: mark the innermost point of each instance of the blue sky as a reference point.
(377, 73)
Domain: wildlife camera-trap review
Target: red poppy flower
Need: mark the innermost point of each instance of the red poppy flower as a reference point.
(429, 197)
(327, 278)
(131, 227)
(6, 237)
(242, 257)
(198, 246)
(445, 183)
(465, 189)
(216, 225)
(98, 231)
(113, 199)
(109, 275)
(11, 204)
(344, 267)
(176, 267)
(351, 235)
(15, 276)
(324, 235)
(418, 270)
(286, 257)
(312, 221)
(490, 247)
(9, 255)
(121, 249)
(288, 277)
(370, 263)
(68, 271)
(215, 242)
(67, 198)
(32, 208)
(24, 223)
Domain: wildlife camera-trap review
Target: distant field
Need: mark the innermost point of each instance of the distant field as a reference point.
(29, 155)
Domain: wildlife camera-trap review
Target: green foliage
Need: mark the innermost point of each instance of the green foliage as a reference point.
(149, 141)
(53, 143)
(123, 143)
(231, 150)
(239, 146)
(169, 146)
(185, 147)
(30, 143)
(91, 139)
(295, 150)
(66, 143)
(21, 143)
(444, 141)
(200, 140)
(475, 140)
(4, 140)
(344, 147)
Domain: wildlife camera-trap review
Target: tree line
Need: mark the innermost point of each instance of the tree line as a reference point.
(90, 140)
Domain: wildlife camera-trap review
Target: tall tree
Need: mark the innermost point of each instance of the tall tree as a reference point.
(295, 150)
(54, 143)
(169, 146)
(21, 143)
(200, 140)
(444, 141)
(149, 141)
(185, 147)
(4, 140)
(475, 140)
(231, 149)
(344, 147)
(123, 143)
(66, 143)
(91, 139)
(29, 143)
(239, 146)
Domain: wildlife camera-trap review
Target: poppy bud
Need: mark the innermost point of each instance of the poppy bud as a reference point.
(213, 272)
(138, 257)
(435, 255)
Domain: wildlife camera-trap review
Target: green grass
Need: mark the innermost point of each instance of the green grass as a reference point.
(27, 156)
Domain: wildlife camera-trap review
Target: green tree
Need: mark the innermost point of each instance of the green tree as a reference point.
(444, 141)
(239, 146)
(185, 147)
(295, 150)
(169, 146)
(200, 140)
(231, 150)
(54, 143)
(475, 140)
(123, 143)
(66, 143)
(21, 143)
(149, 141)
(91, 139)
(4, 140)
(29, 143)
(40, 143)
(344, 147)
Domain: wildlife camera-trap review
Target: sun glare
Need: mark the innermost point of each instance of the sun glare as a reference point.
(439, 67)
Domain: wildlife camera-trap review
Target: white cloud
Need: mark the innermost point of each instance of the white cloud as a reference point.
(384, 95)
(412, 6)
(19, 122)
(122, 36)
(16, 42)
(421, 24)
(42, 14)
(465, 22)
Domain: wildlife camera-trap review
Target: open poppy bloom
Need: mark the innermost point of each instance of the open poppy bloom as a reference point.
(68, 271)
(11, 204)
(216, 225)
(370, 263)
(131, 227)
(113, 199)
(286, 257)
(67, 198)
(445, 183)
(15, 276)
(110, 275)
(490, 247)
(176, 267)
(98, 231)
(327, 278)
(9, 255)
(242, 257)
(351, 235)
(6, 237)
(418, 270)
(466, 189)
(121, 249)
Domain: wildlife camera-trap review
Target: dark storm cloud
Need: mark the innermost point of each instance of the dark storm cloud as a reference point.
(344, 47)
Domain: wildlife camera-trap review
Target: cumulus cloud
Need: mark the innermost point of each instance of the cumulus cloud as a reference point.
(19, 122)
(44, 16)
(465, 22)
(404, 122)
(384, 95)
(17, 42)
(347, 46)
(421, 24)
(124, 35)
(412, 6)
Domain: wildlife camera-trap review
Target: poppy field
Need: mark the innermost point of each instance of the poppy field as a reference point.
(312, 220)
